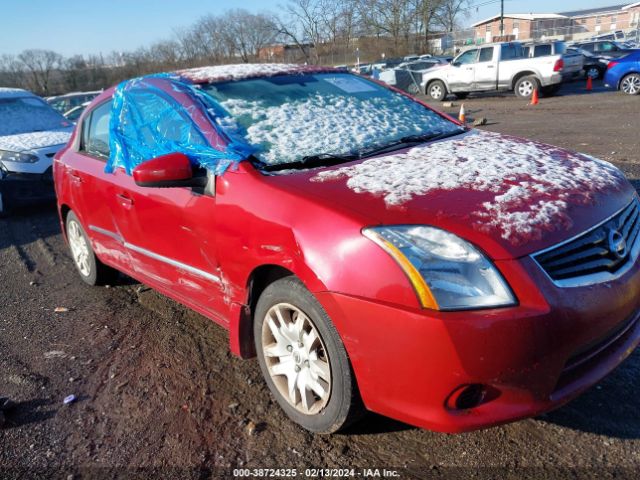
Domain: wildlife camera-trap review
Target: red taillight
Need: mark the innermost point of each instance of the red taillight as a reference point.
(559, 65)
(612, 64)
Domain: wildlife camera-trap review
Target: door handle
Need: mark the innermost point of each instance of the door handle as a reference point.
(125, 201)
(490, 66)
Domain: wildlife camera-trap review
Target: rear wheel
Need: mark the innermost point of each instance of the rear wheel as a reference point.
(437, 90)
(303, 360)
(631, 84)
(525, 86)
(593, 72)
(91, 269)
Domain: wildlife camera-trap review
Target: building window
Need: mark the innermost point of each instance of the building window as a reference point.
(598, 20)
(614, 19)
(516, 24)
(488, 27)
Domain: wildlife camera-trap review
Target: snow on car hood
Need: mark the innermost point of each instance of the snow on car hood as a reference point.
(516, 191)
(34, 140)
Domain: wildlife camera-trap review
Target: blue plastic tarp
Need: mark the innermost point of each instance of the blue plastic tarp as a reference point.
(147, 121)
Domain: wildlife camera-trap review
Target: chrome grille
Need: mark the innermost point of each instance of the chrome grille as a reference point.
(603, 253)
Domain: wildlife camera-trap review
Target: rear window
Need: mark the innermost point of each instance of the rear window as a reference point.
(28, 114)
(511, 52)
(95, 131)
(542, 50)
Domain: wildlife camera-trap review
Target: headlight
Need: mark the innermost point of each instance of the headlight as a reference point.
(447, 272)
(17, 157)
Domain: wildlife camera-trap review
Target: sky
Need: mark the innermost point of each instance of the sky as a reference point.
(74, 27)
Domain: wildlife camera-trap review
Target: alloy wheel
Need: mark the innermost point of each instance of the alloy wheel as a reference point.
(296, 358)
(435, 91)
(79, 248)
(631, 84)
(525, 89)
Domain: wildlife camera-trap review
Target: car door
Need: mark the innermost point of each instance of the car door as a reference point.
(170, 232)
(92, 189)
(462, 76)
(485, 70)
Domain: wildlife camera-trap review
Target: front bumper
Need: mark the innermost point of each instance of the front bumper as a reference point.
(20, 189)
(532, 358)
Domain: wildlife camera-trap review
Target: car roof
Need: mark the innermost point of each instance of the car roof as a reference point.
(14, 93)
(243, 71)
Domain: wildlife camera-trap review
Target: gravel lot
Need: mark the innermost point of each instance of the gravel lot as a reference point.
(158, 393)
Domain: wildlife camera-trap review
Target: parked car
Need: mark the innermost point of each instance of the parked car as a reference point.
(68, 101)
(617, 35)
(624, 74)
(31, 132)
(74, 114)
(446, 277)
(593, 66)
(573, 61)
(408, 76)
(604, 48)
(500, 66)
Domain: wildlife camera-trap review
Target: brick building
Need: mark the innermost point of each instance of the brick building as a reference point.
(566, 25)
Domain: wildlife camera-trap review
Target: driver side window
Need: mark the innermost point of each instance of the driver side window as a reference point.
(467, 57)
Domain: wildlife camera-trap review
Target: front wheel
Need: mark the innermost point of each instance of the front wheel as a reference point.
(437, 90)
(303, 360)
(631, 84)
(525, 86)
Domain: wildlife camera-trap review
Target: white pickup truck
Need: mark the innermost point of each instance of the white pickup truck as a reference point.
(493, 67)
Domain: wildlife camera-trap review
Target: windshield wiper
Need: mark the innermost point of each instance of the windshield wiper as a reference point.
(408, 141)
(310, 161)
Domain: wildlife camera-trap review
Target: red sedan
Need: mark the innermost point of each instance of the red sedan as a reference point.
(370, 251)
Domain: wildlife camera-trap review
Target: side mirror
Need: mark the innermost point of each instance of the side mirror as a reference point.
(171, 170)
(456, 64)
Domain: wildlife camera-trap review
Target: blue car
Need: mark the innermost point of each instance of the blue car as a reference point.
(624, 74)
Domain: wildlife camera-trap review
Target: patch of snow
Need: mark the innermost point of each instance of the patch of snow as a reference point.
(34, 140)
(532, 184)
(333, 124)
(241, 71)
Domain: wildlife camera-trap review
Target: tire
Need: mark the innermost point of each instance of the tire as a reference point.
(91, 269)
(630, 84)
(437, 90)
(461, 95)
(317, 365)
(594, 72)
(525, 86)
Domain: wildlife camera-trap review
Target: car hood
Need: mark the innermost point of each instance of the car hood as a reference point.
(509, 196)
(35, 140)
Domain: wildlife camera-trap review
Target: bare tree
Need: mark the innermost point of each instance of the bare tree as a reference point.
(40, 64)
(449, 12)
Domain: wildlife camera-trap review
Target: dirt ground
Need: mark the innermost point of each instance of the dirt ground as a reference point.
(159, 395)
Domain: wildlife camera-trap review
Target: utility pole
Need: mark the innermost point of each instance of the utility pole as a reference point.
(501, 20)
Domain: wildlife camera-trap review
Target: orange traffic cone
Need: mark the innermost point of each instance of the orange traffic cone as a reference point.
(589, 84)
(534, 97)
(462, 117)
